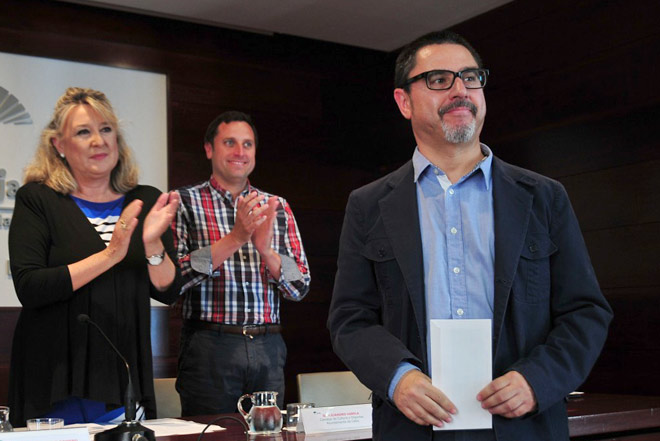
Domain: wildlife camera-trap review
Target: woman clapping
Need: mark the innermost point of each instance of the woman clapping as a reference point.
(85, 238)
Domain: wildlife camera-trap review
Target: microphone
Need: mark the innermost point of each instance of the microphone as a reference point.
(129, 429)
(129, 396)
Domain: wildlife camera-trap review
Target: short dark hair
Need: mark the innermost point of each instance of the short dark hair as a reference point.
(407, 58)
(227, 117)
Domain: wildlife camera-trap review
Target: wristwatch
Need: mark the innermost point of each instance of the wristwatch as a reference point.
(156, 259)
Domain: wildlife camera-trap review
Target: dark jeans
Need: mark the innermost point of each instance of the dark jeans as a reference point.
(215, 369)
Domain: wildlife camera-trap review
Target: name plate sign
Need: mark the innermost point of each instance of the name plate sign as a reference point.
(335, 418)
(79, 434)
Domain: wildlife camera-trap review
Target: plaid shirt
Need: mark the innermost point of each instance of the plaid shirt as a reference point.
(241, 290)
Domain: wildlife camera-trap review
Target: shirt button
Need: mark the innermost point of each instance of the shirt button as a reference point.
(457, 270)
(436, 171)
(460, 311)
(451, 191)
(453, 230)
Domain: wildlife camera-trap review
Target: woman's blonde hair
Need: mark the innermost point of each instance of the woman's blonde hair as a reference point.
(49, 168)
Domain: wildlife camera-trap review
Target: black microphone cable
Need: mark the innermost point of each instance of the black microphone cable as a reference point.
(129, 398)
(227, 417)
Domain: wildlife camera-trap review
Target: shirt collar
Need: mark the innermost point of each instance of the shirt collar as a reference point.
(421, 164)
(226, 193)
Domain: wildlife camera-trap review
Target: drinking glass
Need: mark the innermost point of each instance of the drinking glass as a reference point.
(5, 425)
(45, 423)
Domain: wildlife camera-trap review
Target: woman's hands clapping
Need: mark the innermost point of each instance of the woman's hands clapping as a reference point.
(159, 219)
(121, 237)
(156, 223)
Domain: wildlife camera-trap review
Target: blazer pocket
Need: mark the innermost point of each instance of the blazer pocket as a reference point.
(534, 269)
(379, 252)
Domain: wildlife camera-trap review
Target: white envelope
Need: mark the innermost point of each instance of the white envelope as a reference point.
(461, 365)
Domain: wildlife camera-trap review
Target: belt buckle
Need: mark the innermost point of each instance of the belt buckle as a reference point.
(245, 330)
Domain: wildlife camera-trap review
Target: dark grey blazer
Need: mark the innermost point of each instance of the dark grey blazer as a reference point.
(550, 318)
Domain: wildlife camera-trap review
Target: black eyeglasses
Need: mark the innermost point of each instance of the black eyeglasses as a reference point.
(444, 79)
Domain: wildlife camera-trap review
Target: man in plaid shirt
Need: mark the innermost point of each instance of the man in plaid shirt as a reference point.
(238, 248)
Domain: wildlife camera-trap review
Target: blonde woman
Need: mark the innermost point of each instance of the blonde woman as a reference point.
(85, 238)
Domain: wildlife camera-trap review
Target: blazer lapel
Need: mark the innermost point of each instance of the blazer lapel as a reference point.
(512, 206)
(401, 220)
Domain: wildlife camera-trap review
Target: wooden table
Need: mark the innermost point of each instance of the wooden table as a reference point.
(610, 417)
(591, 417)
(235, 432)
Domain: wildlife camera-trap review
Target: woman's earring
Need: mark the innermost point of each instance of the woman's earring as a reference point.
(62, 155)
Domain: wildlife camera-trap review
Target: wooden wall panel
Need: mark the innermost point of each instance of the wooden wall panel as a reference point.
(631, 358)
(581, 146)
(636, 184)
(626, 256)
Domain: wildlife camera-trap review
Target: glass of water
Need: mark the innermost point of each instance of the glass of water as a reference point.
(5, 425)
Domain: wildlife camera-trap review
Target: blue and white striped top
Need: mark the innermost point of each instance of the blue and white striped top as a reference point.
(102, 215)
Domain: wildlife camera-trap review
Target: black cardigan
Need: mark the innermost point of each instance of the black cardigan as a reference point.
(53, 355)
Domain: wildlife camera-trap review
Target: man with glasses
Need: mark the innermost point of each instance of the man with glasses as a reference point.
(458, 234)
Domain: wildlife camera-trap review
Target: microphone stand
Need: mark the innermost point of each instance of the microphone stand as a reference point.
(129, 429)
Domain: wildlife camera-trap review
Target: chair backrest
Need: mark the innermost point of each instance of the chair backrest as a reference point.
(332, 389)
(167, 398)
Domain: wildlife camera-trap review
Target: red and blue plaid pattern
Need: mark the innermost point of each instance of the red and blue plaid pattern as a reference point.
(240, 291)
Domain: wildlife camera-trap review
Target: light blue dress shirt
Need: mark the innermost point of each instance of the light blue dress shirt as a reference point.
(458, 244)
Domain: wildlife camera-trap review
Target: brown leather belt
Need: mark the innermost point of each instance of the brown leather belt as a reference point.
(248, 330)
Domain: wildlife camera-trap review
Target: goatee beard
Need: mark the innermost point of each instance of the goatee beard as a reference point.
(459, 134)
(462, 133)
